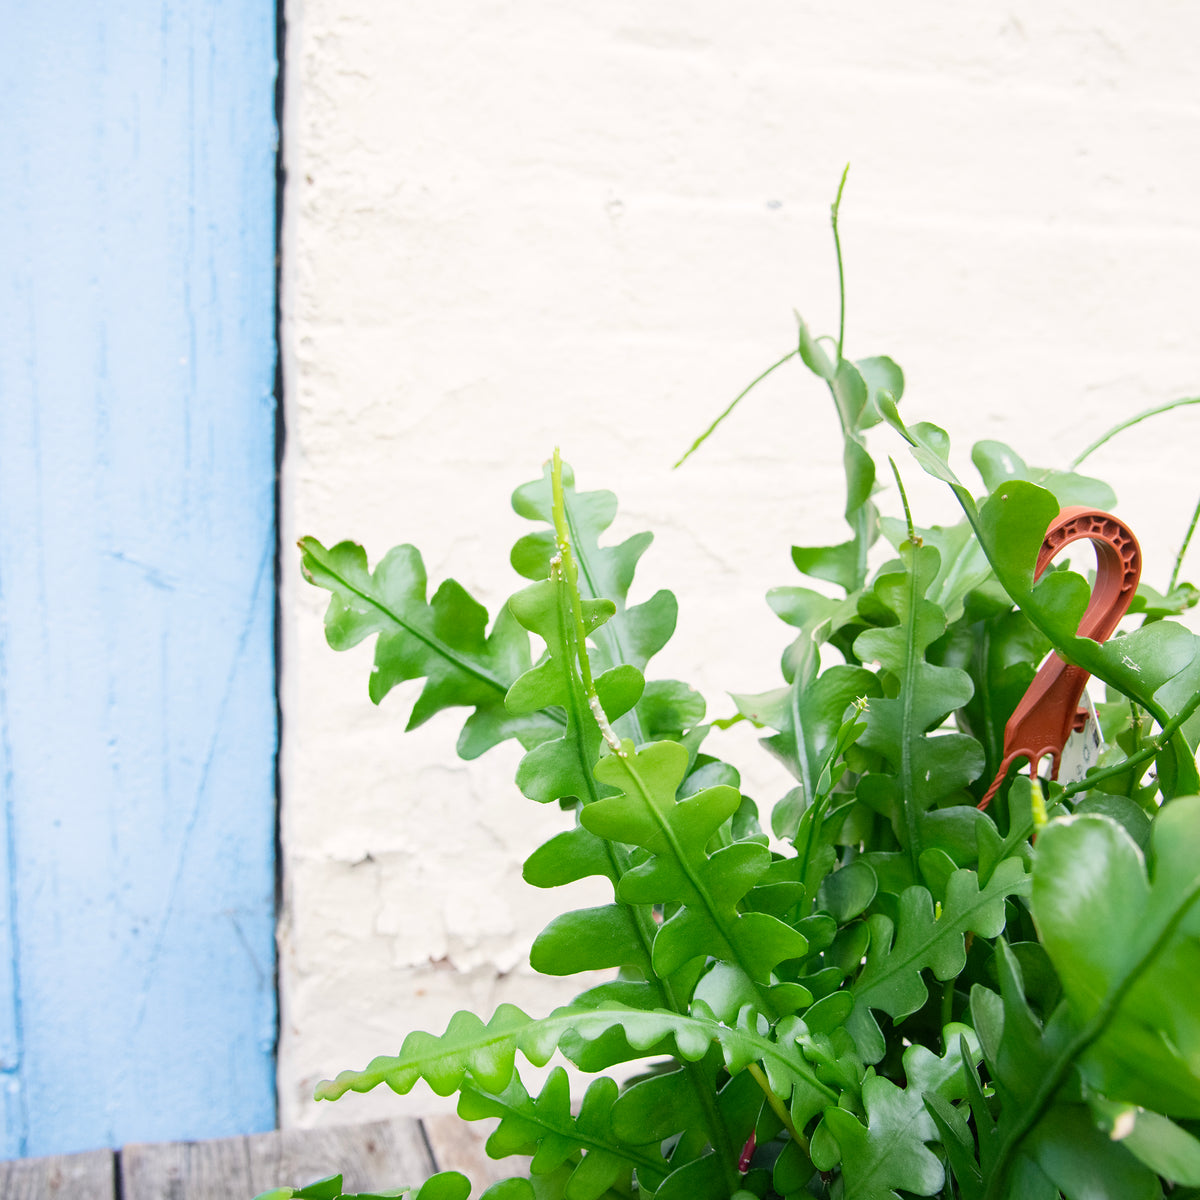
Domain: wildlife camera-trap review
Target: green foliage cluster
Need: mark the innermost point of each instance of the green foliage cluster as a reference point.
(884, 992)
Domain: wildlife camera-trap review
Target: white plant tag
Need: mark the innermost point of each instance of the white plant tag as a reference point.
(1082, 751)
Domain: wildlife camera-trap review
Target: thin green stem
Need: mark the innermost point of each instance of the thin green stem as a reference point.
(907, 790)
(856, 518)
(819, 804)
(822, 793)
(609, 631)
(837, 245)
(1183, 549)
(947, 1008)
(564, 561)
(1167, 732)
(777, 1106)
(991, 737)
(733, 404)
(1143, 416)
(912, 530)
(808, 784)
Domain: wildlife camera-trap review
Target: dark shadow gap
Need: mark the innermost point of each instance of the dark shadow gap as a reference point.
(280, 442)
(118, 1186)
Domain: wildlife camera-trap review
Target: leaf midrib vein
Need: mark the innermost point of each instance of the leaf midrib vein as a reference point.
(435, 644)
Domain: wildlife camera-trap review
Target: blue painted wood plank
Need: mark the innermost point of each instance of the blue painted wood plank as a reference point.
(137, 711)
(12, 1111)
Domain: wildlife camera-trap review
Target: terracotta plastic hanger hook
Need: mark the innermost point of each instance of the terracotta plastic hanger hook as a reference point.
(1050, 710)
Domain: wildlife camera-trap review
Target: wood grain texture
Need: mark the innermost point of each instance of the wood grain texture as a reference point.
(383, 1154)
(378, 1155)
(137, 709)
(87, 1176)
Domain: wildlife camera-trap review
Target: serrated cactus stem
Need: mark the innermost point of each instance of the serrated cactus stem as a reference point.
(562, 567)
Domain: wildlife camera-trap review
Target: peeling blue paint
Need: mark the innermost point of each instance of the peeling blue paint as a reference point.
(137, 536)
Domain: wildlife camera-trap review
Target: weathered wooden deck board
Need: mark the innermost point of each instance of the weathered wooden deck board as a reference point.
(382, 1154)
(89, 1176)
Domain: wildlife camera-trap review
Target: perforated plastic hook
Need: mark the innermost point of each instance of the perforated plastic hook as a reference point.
(1049, 710)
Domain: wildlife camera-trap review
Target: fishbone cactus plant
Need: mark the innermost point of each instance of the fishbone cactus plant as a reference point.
(891, 993)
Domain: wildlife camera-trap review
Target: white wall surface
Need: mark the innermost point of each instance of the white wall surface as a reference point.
(511, 225)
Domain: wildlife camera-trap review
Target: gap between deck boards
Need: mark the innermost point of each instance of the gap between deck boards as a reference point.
(382, 1154)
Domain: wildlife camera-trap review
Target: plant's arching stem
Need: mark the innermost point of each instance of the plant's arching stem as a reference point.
(732, 405)
(837, 242)
(912, 531)
(1187, 538)
(564, 561)
(777, 1106)
(1120, 428)
(837, 245)
(907, 789)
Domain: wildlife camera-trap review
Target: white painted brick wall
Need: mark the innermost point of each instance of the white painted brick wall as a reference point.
(516, 224)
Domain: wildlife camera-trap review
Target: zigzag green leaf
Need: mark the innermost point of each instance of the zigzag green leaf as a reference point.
(547, 1129)
(858, 390)
(708, 888)
(699, 1171)
(561, 767)
(810, 710)
(635, 634)
(487, 1052)
(592, 939)
(665, 1103)
(890, 1152)
(441, 642)
(791, 1076)
(926, 769)
(891, 979)
(617, 935)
